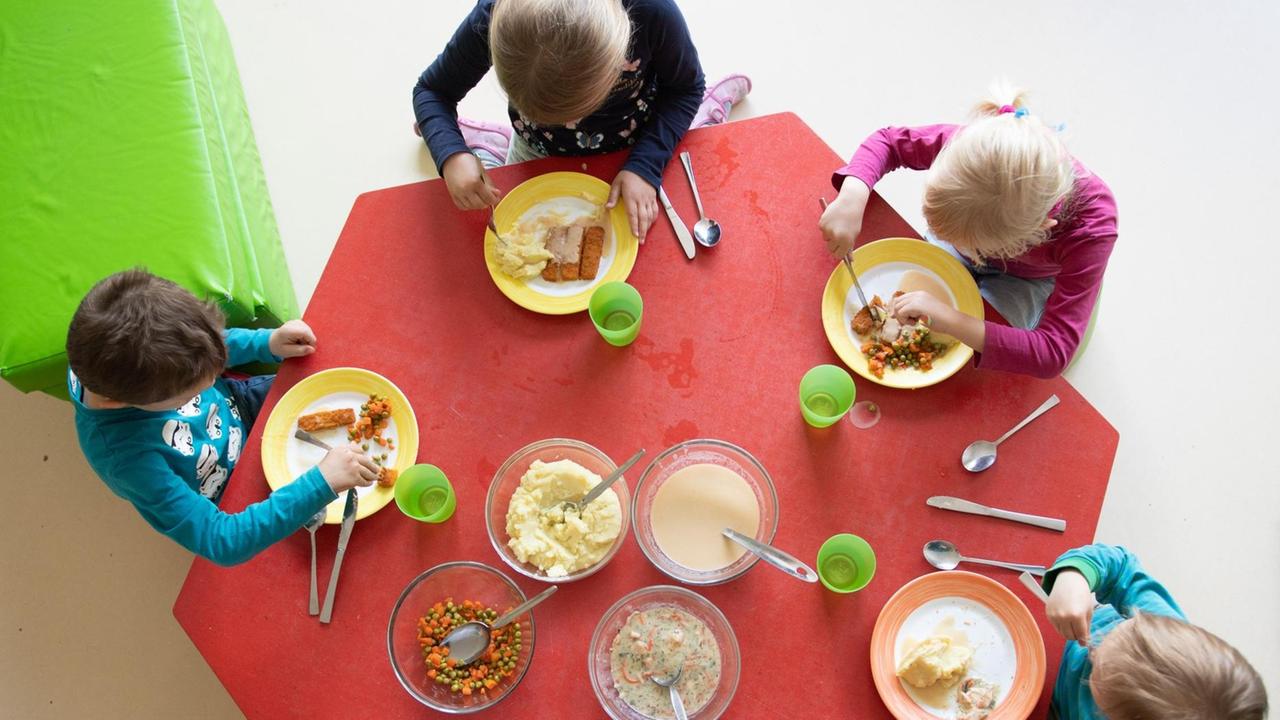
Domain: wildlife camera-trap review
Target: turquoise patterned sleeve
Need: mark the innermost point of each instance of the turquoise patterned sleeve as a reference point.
(247, 346)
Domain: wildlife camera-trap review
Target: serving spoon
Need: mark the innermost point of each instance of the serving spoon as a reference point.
(468, 641)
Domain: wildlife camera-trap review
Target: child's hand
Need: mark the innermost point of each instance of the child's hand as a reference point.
(469, 185)
(347, 467)
(920, 305)
(842, 220)
(1070, 606)
(640, 198)
(292, 339)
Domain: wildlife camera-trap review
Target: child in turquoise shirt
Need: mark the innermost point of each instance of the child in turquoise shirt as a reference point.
(1131, 654)
(164, 430)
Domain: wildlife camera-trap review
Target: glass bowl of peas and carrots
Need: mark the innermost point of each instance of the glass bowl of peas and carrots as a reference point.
(432, 604)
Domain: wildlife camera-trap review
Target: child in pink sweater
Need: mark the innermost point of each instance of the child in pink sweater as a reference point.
(1034, 226)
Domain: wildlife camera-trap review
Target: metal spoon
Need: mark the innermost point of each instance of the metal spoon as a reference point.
(946, 556)
(670, 684)
(468, 641)
(579, 505)
(706, 231)
(981, 454)
(772, 555)
(313, 524)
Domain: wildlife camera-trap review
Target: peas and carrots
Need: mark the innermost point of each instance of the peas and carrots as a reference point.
(481, 676)
(913, 349)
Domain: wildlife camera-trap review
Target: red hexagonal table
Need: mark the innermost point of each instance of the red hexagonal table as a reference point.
(724, 343)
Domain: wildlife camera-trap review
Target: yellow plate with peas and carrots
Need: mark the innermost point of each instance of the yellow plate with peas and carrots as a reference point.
(525, 216)
(882, 267)
(328, 398)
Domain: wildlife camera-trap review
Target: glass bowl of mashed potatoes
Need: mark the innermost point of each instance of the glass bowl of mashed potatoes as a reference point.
(529, 524)
(655, 631)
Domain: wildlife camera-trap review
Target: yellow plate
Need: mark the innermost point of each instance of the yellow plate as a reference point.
(284, 457)
(537, 294)
(880, 266)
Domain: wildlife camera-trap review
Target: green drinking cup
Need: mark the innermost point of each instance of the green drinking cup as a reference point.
(826, 394)
(616, 309)
(846, 563)
(424, 493)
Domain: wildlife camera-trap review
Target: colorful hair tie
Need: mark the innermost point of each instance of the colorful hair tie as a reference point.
(1007, 109)
(1022, 112)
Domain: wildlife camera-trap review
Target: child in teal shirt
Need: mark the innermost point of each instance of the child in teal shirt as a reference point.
(164, 430)
(1131, 654)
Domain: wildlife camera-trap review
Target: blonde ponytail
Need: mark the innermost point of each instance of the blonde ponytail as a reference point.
(991, 189)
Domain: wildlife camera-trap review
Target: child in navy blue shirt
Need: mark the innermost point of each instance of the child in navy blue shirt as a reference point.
(583, 77)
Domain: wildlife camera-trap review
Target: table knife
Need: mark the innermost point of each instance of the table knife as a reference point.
(1034, 586)
(348, 522)
(682, 230)
(973, 508)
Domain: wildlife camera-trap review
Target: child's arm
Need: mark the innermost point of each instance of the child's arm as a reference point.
(1117, 578)
(891, 148)
(680, 87)
(440, 88)
(245, 346)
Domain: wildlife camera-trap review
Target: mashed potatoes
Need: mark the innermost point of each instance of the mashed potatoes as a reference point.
(544, 535)
(935, 661)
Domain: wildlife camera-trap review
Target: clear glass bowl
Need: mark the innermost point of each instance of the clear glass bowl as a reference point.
(507, 480)
(459, 581)
(653, 597)
(694, 452)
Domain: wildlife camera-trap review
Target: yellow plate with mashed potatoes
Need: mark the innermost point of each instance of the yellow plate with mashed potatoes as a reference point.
(881, 267)
(523, 217)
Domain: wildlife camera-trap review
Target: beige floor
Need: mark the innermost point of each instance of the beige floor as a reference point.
(1170, 102)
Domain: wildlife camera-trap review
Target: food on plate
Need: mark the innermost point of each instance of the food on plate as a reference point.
(894, 344)
(326, 419)
(481, 676)
(936, 660)
(375, 414)
(693, 506)
(521, 253)
(387, 477)
(555, 540)
(657, 642)
(575, 253)
(592, 250)
(975, 699)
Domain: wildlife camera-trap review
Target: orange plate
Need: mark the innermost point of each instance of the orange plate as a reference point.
(1028, 679)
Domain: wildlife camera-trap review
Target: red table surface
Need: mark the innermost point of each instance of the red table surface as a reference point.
(724, 343)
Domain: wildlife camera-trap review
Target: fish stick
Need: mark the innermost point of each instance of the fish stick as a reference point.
(326, 419)
(592, 249)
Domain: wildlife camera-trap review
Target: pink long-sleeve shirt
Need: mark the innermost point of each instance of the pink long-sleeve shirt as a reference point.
(1075, 254)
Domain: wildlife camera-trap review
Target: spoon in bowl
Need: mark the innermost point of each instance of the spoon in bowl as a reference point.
(772, 555)
(946, 556)
(578, 506)
(468, 641)
(670, 684)
(981, 454)
(706, 231)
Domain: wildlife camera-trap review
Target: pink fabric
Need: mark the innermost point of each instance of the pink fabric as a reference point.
(1075, 256)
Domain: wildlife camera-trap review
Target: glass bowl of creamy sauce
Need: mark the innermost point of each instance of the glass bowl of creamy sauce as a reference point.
(657, 631)
(688, 495)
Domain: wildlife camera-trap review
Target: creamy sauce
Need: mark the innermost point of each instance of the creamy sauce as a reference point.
(913, 280)
(658, 642)
(693, 506)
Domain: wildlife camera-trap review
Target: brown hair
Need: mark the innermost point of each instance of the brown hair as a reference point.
(1154, 666)
(558, 60)
(140, 339)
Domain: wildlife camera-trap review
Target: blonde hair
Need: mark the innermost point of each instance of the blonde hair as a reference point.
(558, 60)
(992, 187)
(1154, 666)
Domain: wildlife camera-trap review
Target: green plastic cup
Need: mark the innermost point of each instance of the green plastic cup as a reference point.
(424, 493)
(826, 394)
(616, 310)
(846, 563)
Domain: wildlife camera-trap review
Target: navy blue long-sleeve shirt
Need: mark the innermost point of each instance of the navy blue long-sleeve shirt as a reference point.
(649, 110)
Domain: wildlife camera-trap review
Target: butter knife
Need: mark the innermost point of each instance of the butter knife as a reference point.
(682, 231)
(957, 505)
(348, 522)
(1034, 586)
